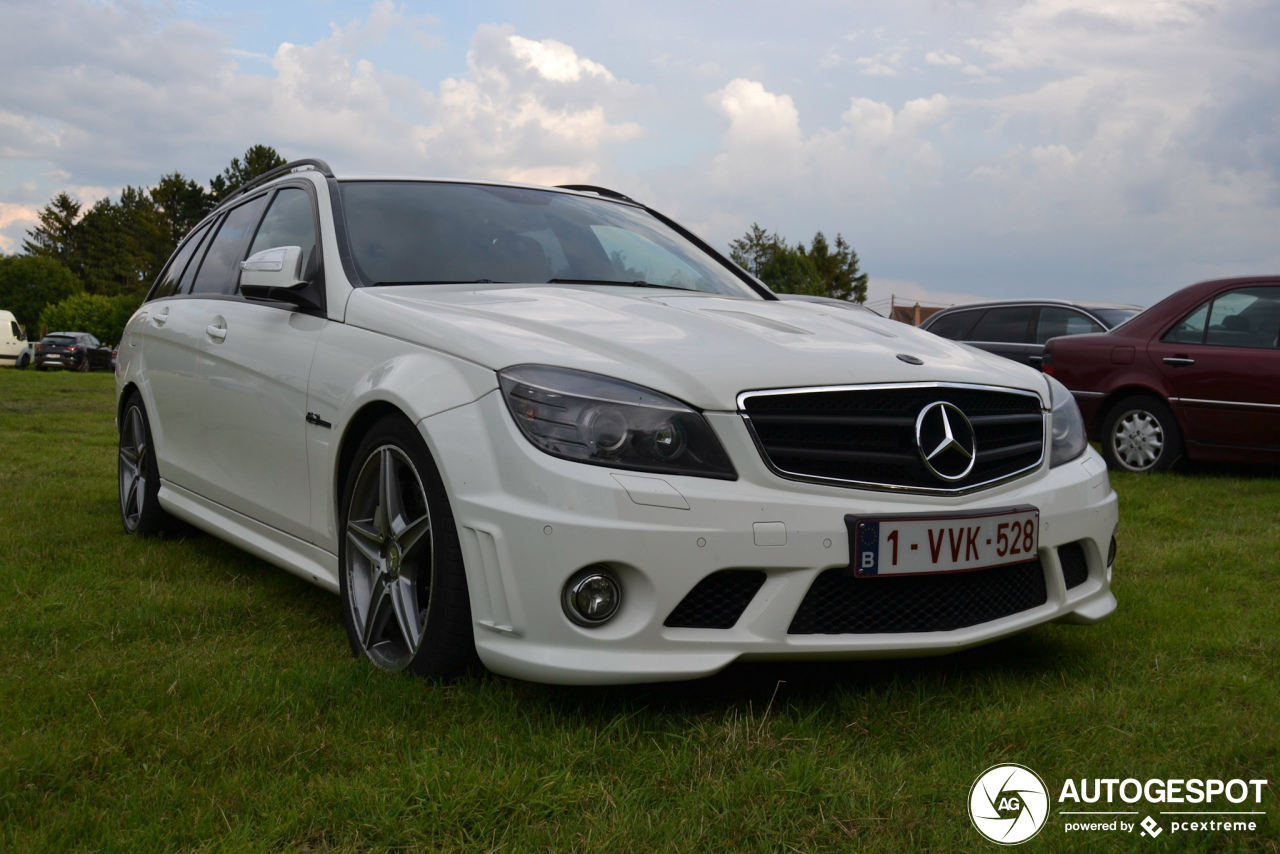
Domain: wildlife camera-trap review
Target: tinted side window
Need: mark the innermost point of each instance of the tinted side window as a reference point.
(955, 325)
(17, 333)
(1190, 329)
(168, 283)
(1007, 325)
(1056, 321)
(1249, 317)
(288, 223)
(219, 273)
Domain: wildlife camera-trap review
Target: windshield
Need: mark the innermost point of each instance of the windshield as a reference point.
(1113, 317)
(420, 232)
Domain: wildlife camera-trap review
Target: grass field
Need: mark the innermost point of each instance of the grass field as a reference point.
(178, 694)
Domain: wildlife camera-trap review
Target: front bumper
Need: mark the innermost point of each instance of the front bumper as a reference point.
(528, 521)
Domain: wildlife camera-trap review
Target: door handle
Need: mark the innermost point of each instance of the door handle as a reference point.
(217, 330)
(1035, 360)
(1178, 361)
(160, 317)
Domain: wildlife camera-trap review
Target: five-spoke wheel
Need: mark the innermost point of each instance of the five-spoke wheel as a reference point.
(1140, 434)
(139, 476)
(403, 588)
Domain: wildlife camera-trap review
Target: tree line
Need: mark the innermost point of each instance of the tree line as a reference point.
(819, 269)
(87, 270)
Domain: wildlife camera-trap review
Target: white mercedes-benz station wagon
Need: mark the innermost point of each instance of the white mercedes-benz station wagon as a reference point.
(552, 429)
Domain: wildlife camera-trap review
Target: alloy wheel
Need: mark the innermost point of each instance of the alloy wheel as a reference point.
(389, 558)
(133, 467)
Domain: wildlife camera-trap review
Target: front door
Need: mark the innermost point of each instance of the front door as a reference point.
(253, 364)
(1223, 369)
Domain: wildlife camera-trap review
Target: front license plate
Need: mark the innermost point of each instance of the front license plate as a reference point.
(915, 545)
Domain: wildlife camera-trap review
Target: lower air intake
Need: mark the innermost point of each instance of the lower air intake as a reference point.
(841, 603)
(1075, 567)
(717, 601)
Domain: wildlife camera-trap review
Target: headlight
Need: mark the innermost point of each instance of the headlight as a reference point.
(1066, 425)
(596, 419)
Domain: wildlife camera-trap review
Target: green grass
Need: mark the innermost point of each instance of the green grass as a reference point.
(178, 694)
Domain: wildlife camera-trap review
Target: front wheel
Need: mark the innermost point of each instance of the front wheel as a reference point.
(1140, 434)
(23, 361)
(401, 578)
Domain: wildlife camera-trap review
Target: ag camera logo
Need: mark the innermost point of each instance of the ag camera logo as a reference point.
(1008, 804)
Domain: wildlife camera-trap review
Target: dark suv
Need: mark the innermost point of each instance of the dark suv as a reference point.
(77, 351)
(1017, 329)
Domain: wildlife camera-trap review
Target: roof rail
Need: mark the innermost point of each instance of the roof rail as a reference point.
(599, 191)
(292, 166)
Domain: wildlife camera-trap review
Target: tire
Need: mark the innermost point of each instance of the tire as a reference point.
(23, 361)
(1140, 434)
(139, 476)
(82, 367)
(402, 583)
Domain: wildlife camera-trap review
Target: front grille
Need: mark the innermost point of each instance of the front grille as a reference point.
(1075, 567)
(841, 603)
(717, 601)
(867, 436)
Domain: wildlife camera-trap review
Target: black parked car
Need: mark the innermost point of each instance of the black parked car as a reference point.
(78, 351)
(1017, 329)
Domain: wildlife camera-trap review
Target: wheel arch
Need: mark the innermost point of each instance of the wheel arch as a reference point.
(126, 391)
(360, 423)
(1116, 396)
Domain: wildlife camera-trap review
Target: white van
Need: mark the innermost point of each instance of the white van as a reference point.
(13, 341)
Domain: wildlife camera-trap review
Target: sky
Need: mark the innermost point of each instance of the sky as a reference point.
(983, 149)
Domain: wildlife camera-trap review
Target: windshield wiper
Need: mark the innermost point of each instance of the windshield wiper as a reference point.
(442, 282)
(639, 283)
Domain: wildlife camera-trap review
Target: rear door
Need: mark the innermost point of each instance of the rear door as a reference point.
(1222, 365)
(1006, 331)
(165, 335)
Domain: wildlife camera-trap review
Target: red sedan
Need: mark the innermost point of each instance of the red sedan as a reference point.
(1197, 374)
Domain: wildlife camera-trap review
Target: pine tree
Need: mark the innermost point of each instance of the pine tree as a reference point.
(55, 236)
(257, 160)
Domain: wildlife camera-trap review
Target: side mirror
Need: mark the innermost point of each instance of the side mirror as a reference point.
(276, 275)
(272, 268)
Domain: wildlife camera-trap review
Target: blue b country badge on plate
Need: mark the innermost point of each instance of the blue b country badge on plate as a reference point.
(868, 551)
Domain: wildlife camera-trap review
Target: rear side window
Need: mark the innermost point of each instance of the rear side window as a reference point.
(219, 272)
(1056, 321)
(288, 222)
(1248, 317)
(955, 325)
(168, 284)
(1007, 325)
(1190, 329)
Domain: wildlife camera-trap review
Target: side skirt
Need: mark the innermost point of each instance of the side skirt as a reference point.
(308, 562)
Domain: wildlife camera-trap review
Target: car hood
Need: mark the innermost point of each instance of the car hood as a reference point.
(701, 348)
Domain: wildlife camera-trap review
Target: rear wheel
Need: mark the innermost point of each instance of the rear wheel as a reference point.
(140, 510)
(1140, 434)
(83, 365)
(404, 591)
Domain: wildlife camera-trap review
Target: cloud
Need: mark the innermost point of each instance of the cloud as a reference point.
(941, 57)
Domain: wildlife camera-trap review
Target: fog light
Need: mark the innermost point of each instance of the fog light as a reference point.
(1111, 552)
(592, 596)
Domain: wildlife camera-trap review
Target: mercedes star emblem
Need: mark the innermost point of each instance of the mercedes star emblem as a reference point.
(946, 442)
